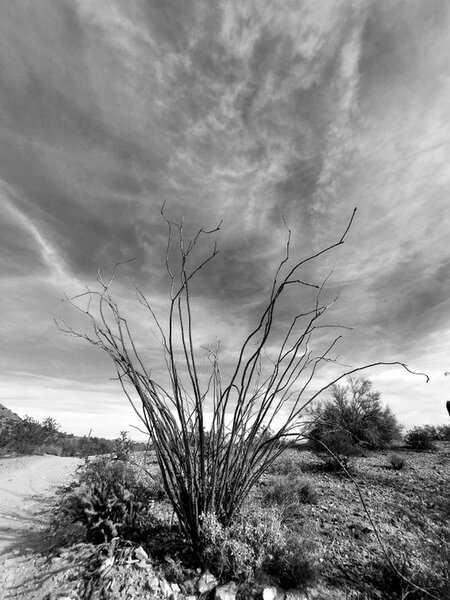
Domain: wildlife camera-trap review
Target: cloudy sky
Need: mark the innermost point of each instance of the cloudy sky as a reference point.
(234, 111)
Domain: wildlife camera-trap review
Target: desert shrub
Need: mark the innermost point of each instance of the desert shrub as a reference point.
(294, 566)
(287, 493)
(336, 451)
(107, 500)
(27, 435)
(256, 546)
(50, 426)
(238, 551)
(444, 432)
(352, 419)
(94, 446)
(397, 462)
(420, 439)
(53, 449)
(122, 447)
(69, 446)
(285, 464)
(437, 432)
(408, 578)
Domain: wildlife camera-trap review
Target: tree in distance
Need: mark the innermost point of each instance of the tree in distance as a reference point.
(353, 418)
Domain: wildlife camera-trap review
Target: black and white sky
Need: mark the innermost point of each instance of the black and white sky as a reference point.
(234, 111)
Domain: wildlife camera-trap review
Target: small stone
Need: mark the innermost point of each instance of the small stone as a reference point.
(106, 565)
(165, 588)
(273, 593)
(175, 588)
(188, 587)
(154, 584)
(207, 582)
(226, 592)
(140, 553)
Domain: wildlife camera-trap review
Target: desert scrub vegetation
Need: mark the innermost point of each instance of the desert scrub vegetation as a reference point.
(257, 548)
(325, 544)
(351, 420)
(397, 462)
(421, 439)
(287, 493)
(29, 436)
(254, 406)
(110, 498)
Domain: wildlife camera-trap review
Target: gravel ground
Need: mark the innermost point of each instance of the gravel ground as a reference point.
(409, 510)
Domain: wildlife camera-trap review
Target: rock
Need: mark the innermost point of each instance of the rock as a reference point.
(206, 583)
(106, 565)
(154, 584)
(140, 553)
(165, 588)
(188, 586)
(273, 593)
(226, 592)
(175, 589)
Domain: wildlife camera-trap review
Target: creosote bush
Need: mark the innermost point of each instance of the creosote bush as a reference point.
(256, 405)
(257, 547)
(397, 462)
(420, 439)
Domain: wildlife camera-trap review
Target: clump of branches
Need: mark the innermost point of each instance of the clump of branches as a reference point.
(212, 470)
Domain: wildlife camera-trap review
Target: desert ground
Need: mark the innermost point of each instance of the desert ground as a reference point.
(27, 483)
(408, 519)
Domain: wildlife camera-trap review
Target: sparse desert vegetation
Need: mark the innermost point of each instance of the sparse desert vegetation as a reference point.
(238, 508)
(303, 530)
(380, 531)
(28, 436)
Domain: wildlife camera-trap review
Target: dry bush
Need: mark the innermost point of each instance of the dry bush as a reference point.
(288, 494)
(256, 546)
(397, 462)
(420, 439)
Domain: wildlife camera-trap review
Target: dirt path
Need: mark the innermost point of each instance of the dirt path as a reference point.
(26, 484)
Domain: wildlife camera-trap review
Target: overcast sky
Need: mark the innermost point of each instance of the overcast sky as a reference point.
(234, 111)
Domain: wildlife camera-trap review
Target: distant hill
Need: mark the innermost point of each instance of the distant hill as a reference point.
(7, 415)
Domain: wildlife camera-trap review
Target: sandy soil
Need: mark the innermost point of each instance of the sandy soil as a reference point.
(26, 485)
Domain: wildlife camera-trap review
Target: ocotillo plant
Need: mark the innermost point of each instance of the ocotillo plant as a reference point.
(212, 470)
